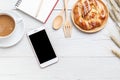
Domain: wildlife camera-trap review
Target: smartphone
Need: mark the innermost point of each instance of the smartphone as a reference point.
(42, 47)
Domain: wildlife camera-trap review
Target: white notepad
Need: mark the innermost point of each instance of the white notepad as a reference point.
(38, 9)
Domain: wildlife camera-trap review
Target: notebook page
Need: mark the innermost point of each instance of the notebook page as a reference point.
(46, 9)
(29, 6)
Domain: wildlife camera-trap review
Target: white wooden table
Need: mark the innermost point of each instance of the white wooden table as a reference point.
(82, 57)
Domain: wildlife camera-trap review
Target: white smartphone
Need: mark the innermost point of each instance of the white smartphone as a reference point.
(42, 47)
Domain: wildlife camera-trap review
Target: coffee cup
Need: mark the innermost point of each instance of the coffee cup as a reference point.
(7, 25)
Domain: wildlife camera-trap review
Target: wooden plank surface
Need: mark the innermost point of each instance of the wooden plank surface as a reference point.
(82, 57)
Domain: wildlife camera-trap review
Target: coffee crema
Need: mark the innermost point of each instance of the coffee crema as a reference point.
(7, 25)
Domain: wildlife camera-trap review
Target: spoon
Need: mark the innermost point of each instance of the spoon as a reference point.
(57, 22)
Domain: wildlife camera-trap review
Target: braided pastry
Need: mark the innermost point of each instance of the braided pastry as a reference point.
(89, 14)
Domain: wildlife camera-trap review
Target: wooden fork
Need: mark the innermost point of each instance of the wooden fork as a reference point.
(67, 26)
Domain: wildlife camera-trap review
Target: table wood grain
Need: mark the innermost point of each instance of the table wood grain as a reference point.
(81, 57)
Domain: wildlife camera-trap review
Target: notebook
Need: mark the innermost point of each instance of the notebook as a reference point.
(38, 9)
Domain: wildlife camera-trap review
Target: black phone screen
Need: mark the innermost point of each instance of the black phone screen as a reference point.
(42, 46)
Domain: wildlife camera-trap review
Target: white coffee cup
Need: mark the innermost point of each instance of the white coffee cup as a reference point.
(7, 24)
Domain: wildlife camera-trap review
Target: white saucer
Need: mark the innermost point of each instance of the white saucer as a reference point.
(17, 35)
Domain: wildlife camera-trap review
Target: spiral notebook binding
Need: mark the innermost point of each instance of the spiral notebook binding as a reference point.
(18, 3)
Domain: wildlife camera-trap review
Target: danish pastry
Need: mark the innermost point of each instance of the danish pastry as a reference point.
(89, 15)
